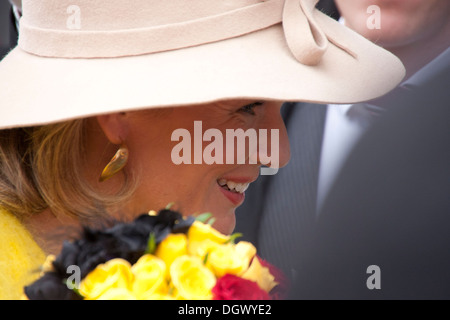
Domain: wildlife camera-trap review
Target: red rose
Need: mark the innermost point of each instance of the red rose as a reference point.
(231, 287)
(281, 290)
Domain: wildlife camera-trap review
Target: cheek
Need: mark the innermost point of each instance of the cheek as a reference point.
(162, 153)
(164, 181)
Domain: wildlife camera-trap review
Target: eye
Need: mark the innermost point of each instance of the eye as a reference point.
(250, 108)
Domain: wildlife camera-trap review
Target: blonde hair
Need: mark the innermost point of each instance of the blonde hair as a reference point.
(42, 167)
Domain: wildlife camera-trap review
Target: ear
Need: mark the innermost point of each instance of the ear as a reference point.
(114, 126)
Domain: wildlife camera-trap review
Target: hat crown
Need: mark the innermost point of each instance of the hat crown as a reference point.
(114, 28)
(108, 15)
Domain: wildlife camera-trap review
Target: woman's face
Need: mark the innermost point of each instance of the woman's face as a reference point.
(178, 159)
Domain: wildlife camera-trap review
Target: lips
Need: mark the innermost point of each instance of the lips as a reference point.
(234, 188)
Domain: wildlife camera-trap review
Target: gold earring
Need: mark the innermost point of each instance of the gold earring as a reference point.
(116, 164)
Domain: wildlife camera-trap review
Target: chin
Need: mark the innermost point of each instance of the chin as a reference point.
(225, 221)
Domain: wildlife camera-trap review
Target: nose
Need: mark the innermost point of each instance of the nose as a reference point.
(275, 151)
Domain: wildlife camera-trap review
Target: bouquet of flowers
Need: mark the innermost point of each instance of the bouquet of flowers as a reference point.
(158, 256)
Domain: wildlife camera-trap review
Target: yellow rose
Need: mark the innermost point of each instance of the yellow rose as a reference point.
(117, 294)
(202, 238)
(156, 296)
(174, 245)
(149, 276)
(191, 280)
(200, 249)
(115, 273)
(229, 258)
(261, 275)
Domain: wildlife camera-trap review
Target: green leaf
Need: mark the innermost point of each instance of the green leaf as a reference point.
(206, 258)
(169, 205)
(151, 244)
(234, 236)
(73, 285)
(203, 217)
(78, 292)
(211, 221)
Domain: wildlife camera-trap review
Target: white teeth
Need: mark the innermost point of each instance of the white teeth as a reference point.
(233, 186)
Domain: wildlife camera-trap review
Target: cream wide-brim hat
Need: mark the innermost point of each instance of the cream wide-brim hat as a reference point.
(82, 58)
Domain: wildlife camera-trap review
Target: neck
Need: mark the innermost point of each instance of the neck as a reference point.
(418, 54)
(50, 231)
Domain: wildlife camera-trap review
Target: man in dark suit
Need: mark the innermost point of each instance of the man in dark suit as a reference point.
(280, 211)
(384, 229)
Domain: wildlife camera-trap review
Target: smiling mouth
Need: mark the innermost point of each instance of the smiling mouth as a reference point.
(232, 186)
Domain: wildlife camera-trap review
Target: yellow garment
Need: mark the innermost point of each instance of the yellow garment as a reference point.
(20, 257)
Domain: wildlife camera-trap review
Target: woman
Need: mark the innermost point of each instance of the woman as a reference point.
(105, 117)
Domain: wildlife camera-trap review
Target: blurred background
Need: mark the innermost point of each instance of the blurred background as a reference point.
(8, 33)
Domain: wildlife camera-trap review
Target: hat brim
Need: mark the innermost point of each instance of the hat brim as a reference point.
(259, 65)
